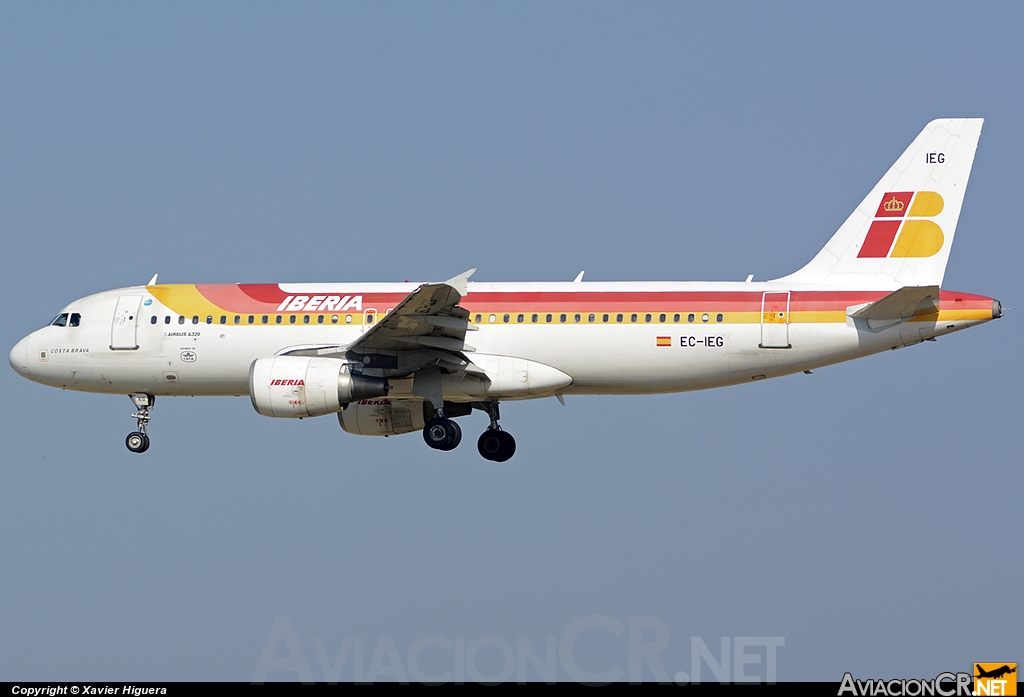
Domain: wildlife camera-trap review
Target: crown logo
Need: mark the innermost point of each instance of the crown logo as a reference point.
(893, 205)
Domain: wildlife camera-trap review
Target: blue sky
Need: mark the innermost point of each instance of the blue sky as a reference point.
(865, 513)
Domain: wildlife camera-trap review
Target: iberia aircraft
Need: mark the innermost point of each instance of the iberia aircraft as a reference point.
(397, 358)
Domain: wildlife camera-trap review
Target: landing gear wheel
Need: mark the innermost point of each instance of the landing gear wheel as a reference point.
(441, 433)
(496, 446)
(456, 436)
(137, 442)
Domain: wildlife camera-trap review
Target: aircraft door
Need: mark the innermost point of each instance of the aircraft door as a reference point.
(369, 319)
(123, 332)
(775, 320)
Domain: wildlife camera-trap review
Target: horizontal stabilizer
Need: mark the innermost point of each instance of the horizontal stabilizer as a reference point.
(908, 301)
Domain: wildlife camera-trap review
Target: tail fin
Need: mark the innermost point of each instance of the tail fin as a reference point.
(901, 233)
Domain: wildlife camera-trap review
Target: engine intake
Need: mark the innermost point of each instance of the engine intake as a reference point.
(301, 386)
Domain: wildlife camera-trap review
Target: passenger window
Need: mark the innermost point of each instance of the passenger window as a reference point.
(720, 317)
(195, 319)
(152, 320)
(238, 319)
(305, 319)
(75, 319)
(675, 317)
(548, 318)
(520, 318)
(251, 319)
(264, 319)
(704, 317)
(689, 317)
(507, 318)
(647, 317)
(319, 319)
(479, 319)
(662, 318)
(534, 318)
(632, 318)
(181, 319)
(209, 319)
(591, 317)
(167, 319)
(291, 319)
(60, 320)
(348, 319)
(334, 319)
(577, 318)
(618, 317)
(223, 319)
(561, 318)
(493, 318)
(604, 318)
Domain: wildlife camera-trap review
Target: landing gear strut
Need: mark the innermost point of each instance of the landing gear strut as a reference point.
(494, 444)
(138, 441)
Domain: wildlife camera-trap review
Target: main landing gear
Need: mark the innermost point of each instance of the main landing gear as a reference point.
(494, 444)
(138, 441)
(442, 433)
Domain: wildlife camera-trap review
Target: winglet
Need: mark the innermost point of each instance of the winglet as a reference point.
(152, 281)
(459, 283)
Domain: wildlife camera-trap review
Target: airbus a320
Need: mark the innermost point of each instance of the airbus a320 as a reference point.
(395, 358)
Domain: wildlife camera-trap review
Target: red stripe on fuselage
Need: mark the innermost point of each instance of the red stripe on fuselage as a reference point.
(261, 299)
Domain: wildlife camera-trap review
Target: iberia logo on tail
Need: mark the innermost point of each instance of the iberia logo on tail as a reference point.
(903, 216)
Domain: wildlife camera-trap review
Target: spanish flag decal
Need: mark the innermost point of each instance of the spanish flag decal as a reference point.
(664, 341)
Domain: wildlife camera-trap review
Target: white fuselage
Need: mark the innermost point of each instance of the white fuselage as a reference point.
(178, 354)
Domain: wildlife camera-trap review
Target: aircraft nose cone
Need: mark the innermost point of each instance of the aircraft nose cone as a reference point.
(19, 358)
(997, 309)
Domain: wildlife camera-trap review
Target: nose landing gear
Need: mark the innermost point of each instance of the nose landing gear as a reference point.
(138, 441)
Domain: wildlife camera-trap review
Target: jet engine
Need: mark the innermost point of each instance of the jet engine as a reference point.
(300, 386)
(384, 417)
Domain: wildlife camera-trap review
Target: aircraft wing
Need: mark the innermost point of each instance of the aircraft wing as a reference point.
(428, 316)
(426, 327)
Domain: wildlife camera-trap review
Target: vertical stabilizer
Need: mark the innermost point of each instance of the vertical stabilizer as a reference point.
(901, 233)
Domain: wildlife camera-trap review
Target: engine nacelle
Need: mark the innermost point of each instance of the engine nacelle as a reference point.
(300, 386)
(383, 417)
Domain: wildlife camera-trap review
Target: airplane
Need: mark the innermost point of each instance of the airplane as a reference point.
(995, 673)
(395, 358)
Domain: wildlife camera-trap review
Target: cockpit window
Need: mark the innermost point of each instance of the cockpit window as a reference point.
(60, 320)
(76, 319)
